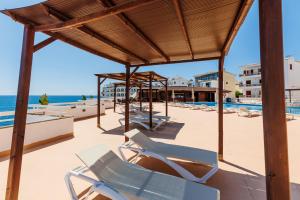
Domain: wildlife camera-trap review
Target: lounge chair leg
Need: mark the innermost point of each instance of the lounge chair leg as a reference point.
(98, 186)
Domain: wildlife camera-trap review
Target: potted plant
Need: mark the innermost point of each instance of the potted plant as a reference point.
(43, 100)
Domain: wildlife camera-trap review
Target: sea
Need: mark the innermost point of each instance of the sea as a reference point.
(8, 102)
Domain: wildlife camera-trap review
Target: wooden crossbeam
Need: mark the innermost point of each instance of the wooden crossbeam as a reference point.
(67, 40)
(132, 73)
(135, 29)
(244, 8)
(177, 61)
(62, 17)
(126, 6)
(43, 43)
(183, 27)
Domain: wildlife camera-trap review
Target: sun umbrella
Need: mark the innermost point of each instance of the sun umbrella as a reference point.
(173, 95)
(193, 95)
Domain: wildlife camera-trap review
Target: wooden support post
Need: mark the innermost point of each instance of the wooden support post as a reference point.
(150, 100)
(273, 100)
(15, 162)
(115, 97)
(220, 106)
(167, 97)
(98, 101)
(290, 96)
(141, 97)
(127, 99)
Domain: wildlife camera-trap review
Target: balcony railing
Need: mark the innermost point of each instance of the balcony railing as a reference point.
(250, 74)
(250, 85)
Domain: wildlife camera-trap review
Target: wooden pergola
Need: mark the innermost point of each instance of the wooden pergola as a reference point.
(152, 32)
(131, 79)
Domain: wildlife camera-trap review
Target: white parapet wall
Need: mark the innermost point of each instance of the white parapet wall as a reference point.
(38, 133)
(78, 110)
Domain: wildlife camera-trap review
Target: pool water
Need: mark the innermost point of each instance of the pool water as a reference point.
(8, 120)
(292, 110)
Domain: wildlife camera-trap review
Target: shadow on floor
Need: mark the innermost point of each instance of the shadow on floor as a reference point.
(247, 185)
(166, 131)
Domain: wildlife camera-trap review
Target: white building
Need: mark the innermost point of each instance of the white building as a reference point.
(108, 91)
(179, 81)
(210, 80)
(251, 79)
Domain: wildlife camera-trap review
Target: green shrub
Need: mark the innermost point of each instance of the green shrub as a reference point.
(44, 99)
(238, 94)
(83, 97)
(91, 97)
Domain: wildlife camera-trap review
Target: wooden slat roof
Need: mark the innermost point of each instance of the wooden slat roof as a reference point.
(137, 77)
(140, 32)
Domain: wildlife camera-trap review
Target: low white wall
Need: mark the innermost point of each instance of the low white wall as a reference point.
(78, 111)
(108, 104)
(37, 131)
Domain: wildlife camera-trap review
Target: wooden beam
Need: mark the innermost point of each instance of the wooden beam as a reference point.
(244, 8)
(127, 100)
(115, 97)
(150, 100)
(220, 106)
(44, 43)
(141, 97)
(98, 101)
(135, 69)
(135, 29)
(177, 61)
(166, 97)
(183, 27)
(102, 81)
(84, 29)
(15, 161)
(273, 100)
(122, 7)
(59, 36)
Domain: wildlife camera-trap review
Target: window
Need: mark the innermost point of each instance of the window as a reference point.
(291, 67)
(248, 82)
(226, 83)
(248, 93)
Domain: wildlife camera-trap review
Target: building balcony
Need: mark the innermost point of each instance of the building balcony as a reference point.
(250, 74)
(250, 85)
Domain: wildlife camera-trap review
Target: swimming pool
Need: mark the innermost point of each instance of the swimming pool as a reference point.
(8, 120)
(292, 110)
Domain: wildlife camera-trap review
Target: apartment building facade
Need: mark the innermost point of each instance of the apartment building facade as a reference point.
(210, 80)
(250, 79)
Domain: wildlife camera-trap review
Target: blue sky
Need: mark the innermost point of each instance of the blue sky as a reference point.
(64, 70)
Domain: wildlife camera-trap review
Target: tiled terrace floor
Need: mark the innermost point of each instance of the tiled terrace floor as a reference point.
(241, 176)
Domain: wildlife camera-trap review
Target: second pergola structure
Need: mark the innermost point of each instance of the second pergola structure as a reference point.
(153, 32)
(131, 79)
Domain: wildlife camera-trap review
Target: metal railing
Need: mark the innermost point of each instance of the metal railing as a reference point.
(250, 74)
(250, 85)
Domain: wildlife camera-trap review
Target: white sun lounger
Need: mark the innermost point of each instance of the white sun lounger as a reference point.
(210, 108)
(144, 146)
(244, 112)
(144, 121)
(119, 180)
(289, 116)
(167, 118)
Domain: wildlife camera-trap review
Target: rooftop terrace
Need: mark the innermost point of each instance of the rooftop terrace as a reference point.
(241, 176)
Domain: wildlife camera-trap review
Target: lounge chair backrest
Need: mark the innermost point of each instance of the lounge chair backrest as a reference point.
(103, 162)
(140, 139)
(110, 169)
